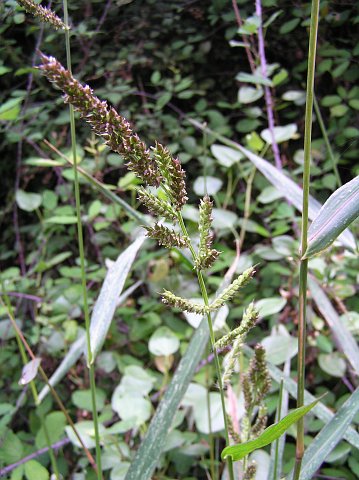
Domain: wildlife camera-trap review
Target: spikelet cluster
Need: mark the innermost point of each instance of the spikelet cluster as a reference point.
(249, 320)
(250, 473)
(156, 205)
(168, 298)
(256, 384)
(238, 337)
(167, 237)
(206, 254)
(42, 13)
(258, 376)
(231, 430)
(230, 292)
(173, 174)
(104, 121)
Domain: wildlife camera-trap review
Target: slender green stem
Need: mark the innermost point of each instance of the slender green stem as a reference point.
(91, 365)
(304, 233)
(279, 415)
(326, 141)
(211, 439)
(202, 286)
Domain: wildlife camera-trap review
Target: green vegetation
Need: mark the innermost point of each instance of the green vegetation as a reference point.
(179, 243)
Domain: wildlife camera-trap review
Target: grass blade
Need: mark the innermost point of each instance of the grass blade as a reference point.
(107, 300)
(344, 338)
(329, 437)
(320, 410)
(337, 213)
(270, 434)
(68, 361)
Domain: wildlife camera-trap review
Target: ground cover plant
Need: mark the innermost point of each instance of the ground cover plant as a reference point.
(225, 377)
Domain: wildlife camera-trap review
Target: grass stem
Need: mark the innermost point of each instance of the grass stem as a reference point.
(303, 272)
(203, 289)
(91, 365)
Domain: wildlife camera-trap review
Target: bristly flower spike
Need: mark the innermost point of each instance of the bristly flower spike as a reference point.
(249, 320)
(105, 121)
(42, 13)
(156, 205)
(206, 254)
(168, 298)
(229, 292)
(167, 237)
(173, 174)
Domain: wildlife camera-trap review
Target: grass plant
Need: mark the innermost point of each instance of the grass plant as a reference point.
(157, 180)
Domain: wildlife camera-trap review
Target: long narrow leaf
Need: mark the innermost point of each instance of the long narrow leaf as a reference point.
(106, 302)
(270, 434)
(68, 362)
(329, 437)
(290, 190)
(320, 410)
(345, 340)
(337, 213)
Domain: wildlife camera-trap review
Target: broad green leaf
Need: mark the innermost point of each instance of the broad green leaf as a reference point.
(226, 156)
(163, 342)
(151, 448)
(209, 185)
(11, 449)
(28, 201)
(270, 306)
(10, 110)
(223, 219)
(55, 423)
(333, 364)
(237, 452)
(281, 134)
(345, 340)
(337, 213)
(107, 300)
(249, 94)
(256, 79)
(35, 471)
(132, 407)
(320, 410)
(329, 437)
(83, 400)
(62, 220)
(278, 179)
(86, 431)
(280, 346)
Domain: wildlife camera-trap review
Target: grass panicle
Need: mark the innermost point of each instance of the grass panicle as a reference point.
(104, 120)
(206, 254)
(166, 236)
(157, 206)
(43, 14)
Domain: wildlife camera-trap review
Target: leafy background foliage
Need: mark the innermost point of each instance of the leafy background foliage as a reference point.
(159, 63)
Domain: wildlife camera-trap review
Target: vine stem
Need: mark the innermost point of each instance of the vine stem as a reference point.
(91, 365)
(303, 271)
(203, 288)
